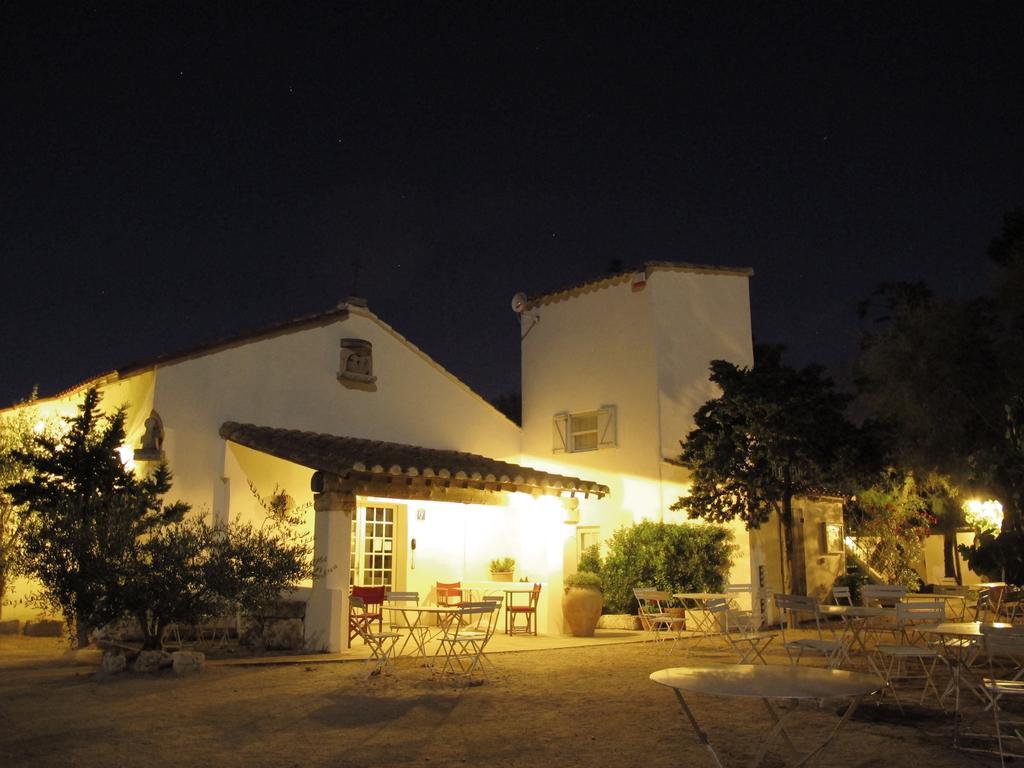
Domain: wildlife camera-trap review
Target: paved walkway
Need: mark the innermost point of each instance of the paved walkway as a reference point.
(500, 643)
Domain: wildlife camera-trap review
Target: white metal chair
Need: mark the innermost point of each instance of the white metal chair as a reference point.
(982, 604)
(881, 595)
(417, 632)
(461, 645)
(893, 659)
(653, 617)
(741, 618)
(747, 643)
(832, 647)
(842, 596)
(1004, 650)
(497, 600)
(381, 644)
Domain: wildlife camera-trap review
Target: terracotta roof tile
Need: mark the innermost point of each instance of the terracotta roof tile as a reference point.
(358, 457)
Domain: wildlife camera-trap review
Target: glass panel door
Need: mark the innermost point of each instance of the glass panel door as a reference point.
(373, 547)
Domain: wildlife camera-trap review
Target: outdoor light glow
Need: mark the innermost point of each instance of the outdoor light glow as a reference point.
(984, 513)
(39, 426)
(127, 455)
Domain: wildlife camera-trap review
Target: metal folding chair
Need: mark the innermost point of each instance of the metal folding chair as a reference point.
(891, 661)
(1003, 648)
(381, 644)
(653, 617)
(747, 643)
(833, 648)
(417, 632)
(461, 646)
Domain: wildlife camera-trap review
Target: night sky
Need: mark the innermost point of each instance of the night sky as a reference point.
(171, 174)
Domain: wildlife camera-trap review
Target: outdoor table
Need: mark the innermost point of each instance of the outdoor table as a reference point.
(444, 614)
(956, 637)
(855, 619)
(699, 604)
(767, 683)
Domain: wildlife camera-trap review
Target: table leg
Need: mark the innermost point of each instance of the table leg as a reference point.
(854, 703)
(703, 737)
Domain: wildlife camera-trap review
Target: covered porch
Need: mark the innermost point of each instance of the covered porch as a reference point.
(434, 515)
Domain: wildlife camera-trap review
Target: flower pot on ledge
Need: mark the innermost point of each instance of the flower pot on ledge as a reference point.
(502, 575)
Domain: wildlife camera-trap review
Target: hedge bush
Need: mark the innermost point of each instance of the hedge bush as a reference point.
(692, 557)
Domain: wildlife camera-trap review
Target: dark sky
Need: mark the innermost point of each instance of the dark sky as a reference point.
(171, 173)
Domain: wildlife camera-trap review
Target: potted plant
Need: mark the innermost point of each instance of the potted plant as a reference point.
(582, 602)
(502, 569)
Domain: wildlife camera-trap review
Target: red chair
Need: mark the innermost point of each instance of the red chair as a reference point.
(449, 593)
(529, 610)
(361, 617)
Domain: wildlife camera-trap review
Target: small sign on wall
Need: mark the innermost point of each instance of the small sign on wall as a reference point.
(421, 514)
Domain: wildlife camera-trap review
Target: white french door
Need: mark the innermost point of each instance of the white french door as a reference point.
(374, 532)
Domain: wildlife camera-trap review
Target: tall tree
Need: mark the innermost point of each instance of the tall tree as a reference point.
(86, 513)
(947, 376)
(16, 431)
(775, 432)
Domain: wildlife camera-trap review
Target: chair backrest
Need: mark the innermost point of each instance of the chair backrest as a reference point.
(982, 603)
(449, 592)
(950, 589)
(796, 603)
(651, 600)
(496, 601)
(1005, 644)
(476, 616)
(791, 605)
(842, 596)
(920, 612)
(885, 595)
(535, 595)
(371, 597)
(403, 597)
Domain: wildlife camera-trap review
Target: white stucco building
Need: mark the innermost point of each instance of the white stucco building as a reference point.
(399, 459)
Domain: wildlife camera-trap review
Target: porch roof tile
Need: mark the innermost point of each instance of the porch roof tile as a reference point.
(358, 457)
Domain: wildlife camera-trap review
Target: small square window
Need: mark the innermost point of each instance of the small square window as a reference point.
(583, 431)
(588, 431)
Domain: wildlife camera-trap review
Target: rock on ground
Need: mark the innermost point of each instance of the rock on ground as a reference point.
(184, 662)
(113, 662)
(12, 627)
(152, 661)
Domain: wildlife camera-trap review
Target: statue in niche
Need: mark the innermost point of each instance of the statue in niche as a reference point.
(152, 448)
(356, 361)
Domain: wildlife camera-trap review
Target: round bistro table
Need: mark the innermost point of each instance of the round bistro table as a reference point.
(755, 681)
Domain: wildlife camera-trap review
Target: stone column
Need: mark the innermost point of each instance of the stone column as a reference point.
(327, 611)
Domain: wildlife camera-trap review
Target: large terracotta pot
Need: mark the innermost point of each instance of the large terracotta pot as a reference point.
(581, 608)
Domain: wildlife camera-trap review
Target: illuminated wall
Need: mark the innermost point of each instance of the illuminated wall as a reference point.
(644, 349)
(137, 394)
(290, 381)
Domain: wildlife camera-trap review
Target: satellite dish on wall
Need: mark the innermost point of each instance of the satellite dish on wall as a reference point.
(519, 303)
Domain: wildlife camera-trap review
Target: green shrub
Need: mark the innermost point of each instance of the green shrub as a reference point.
(590, 560)
(997, 557)
(583, 579)
(693, 557)
(855, 580)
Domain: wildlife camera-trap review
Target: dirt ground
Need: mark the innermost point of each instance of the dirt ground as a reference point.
(568, 707)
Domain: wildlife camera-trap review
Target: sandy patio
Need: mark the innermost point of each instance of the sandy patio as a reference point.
(576, 706)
